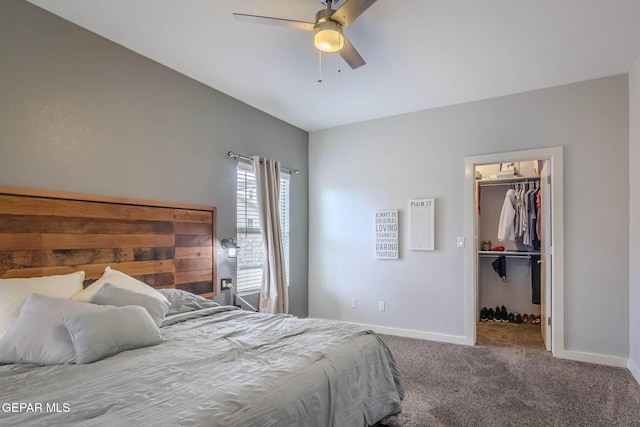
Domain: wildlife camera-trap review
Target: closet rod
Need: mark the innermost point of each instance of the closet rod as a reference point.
(235, 156)
(506, 256)
(502, 184)
(509, 181)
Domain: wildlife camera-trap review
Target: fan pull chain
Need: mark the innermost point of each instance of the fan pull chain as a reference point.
(319, 66)
(339, 64)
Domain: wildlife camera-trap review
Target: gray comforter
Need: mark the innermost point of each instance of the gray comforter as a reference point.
(218, 367)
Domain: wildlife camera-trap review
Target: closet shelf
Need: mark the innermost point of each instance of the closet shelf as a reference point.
(507, 181)
(508, 254)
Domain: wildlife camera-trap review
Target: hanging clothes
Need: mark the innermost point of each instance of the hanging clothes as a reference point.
(522, 207)
(525, 216)
(535, 279)
(524, 236)
(518, 215)
(527, 238)
(538, 205)
(506, 230)
(533, 220)
(500, 267)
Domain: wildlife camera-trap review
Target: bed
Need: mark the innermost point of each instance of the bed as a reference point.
(214, 365)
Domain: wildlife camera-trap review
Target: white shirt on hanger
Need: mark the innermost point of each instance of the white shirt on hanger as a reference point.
(506, 226)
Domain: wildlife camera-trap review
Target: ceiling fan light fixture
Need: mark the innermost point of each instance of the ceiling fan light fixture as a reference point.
(328, 37)
(327, 27)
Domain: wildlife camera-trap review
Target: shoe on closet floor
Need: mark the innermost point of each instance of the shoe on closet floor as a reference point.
(490, 314)
(518, 318)
(525, 319)
(503, 314)
(483, 314)
(498, 315)
(512, 318)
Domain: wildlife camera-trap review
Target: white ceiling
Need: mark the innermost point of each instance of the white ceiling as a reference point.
(420, 54)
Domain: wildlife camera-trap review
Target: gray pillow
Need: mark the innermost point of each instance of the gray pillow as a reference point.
(119, 297)
(183, 301)
(38, 334)
(105, 333)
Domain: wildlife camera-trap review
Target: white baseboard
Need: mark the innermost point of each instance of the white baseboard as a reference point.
(410, 333)
(635, 371)
(599, 359)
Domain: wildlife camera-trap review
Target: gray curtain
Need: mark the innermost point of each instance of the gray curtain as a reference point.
(274, 295)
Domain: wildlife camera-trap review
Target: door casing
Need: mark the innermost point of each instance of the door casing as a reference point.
(555, 154)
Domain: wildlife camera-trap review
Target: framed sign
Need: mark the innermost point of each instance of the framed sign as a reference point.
(422, 223)
(387, 234)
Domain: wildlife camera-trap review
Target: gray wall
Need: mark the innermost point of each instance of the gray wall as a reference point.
(382, 164)
(80, 113)
(634, 217)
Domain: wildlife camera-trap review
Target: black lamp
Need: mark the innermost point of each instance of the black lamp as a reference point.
(230, 246)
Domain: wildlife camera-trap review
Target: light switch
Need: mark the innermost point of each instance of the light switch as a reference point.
(460, 242)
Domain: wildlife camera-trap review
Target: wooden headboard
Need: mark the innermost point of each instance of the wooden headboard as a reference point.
(166, 245)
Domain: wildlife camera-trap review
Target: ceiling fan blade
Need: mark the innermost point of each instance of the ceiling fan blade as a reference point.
(351, 55)
(348, 12)
(289, 23)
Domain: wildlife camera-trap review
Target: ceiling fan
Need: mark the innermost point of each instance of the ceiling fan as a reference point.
(327, 27)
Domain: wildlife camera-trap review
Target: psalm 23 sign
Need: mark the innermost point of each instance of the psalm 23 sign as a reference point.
(422, 224)
(387, 234)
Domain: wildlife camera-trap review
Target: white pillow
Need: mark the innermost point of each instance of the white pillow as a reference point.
(13, 293)
(118, 297)
(101, 334)
(38, 334)
(120, 280)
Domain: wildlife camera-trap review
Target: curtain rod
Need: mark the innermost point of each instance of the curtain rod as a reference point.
(235, 156)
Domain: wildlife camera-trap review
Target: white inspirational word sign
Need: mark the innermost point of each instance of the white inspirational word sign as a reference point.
(387, 234)
(422, 220)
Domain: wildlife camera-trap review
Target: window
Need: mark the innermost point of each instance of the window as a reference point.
(251, 256)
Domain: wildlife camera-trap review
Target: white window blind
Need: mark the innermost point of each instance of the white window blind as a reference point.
(251, 256)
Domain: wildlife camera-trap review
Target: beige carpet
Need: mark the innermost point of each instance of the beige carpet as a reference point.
(509, 334)
(499, 384)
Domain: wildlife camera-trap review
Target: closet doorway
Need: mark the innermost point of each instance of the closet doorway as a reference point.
(513, 259)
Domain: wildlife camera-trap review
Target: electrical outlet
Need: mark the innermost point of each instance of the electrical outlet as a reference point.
(354, 303)
(225, 283)
(381, 305)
